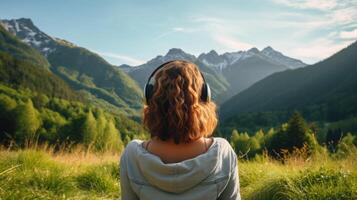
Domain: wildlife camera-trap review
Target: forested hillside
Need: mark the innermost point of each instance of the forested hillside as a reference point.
(81, 68)
(23, 67)
(39, 107)
(326, 91)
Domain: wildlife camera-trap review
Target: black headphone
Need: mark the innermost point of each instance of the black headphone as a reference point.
(149, 88)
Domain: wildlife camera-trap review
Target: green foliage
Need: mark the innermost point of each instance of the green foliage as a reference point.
(100, 133)
(297, 132)
(27, 122)
(58, 121)
(294, 135)
(85, 70)
(347, 146)
(88, 129)
(111, 137)
(22, 74)
(7, 105)
(247, 146)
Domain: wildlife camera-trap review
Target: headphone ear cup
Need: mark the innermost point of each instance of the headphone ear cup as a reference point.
(206, 93)
(148, 91)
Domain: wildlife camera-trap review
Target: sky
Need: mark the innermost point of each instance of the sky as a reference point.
(135, 31)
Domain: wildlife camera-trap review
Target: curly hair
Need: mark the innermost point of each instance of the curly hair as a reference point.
(175, 110)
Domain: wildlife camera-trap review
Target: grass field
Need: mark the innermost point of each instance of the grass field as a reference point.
(40, 174)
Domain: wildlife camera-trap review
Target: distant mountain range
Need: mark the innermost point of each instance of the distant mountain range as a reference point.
(325, 91)
(79, 67)
(228, 73)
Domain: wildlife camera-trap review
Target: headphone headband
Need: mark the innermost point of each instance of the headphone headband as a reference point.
(157, 69)
(165, 63)
(148, 88)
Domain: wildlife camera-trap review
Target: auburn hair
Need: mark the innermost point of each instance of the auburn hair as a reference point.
(175, 110)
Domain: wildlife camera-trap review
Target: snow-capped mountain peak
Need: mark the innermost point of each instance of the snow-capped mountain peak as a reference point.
(179, 54)
(280, 58)
(213, 59)
(253, 50)
(222, 61)
(24, 29)
(172, 54)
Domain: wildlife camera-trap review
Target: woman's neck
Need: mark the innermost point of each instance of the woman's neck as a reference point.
(170, 152)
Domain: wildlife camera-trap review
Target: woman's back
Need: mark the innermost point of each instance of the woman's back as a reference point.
(210, 175)
(181, 163)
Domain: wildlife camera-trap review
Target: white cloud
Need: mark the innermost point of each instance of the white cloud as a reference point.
(178, 29)
(344, 16)
(221, 31)
(342, 12)
(231, 43)
(175, 30)
(121, 58)
(318, 49)
(309, 4)
(206, 19)
(334, 22)
(316, 28)
(349, 34)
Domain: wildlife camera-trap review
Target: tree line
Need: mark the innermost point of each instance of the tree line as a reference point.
(28, 117)
(290, 137)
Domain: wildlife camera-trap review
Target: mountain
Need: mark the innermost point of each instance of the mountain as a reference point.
(228, 73)
(243, 68)
(126, 68)
(325, 91)
(141, 73)
(20, 50)
(278, 57)
(81, 68)
(25, 30)
(23, 67)
(220, 62)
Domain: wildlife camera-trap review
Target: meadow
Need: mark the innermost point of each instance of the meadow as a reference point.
(39, 173)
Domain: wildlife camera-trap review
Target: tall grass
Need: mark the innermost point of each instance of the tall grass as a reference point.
(316, 177)
(42, 173)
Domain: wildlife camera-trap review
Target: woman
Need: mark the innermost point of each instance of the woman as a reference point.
(181, 160)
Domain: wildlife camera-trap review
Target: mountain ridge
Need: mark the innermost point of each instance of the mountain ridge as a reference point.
(323, 91)
(230, 72)
(81, 68)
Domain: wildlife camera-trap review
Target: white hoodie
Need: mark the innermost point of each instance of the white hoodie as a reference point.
(211, 175)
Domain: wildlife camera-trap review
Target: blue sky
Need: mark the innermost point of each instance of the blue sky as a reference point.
(134, 31)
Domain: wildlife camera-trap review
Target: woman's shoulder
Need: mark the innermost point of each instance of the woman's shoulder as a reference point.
(132, 147)
(223, 143)
(226, 150)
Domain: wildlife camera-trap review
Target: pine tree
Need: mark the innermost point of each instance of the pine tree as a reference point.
(101, 138)
(27, 123)
(89, 130)
(296, 133)
(112, 137)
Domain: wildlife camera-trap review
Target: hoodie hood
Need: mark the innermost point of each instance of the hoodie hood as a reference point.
(177, 177)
